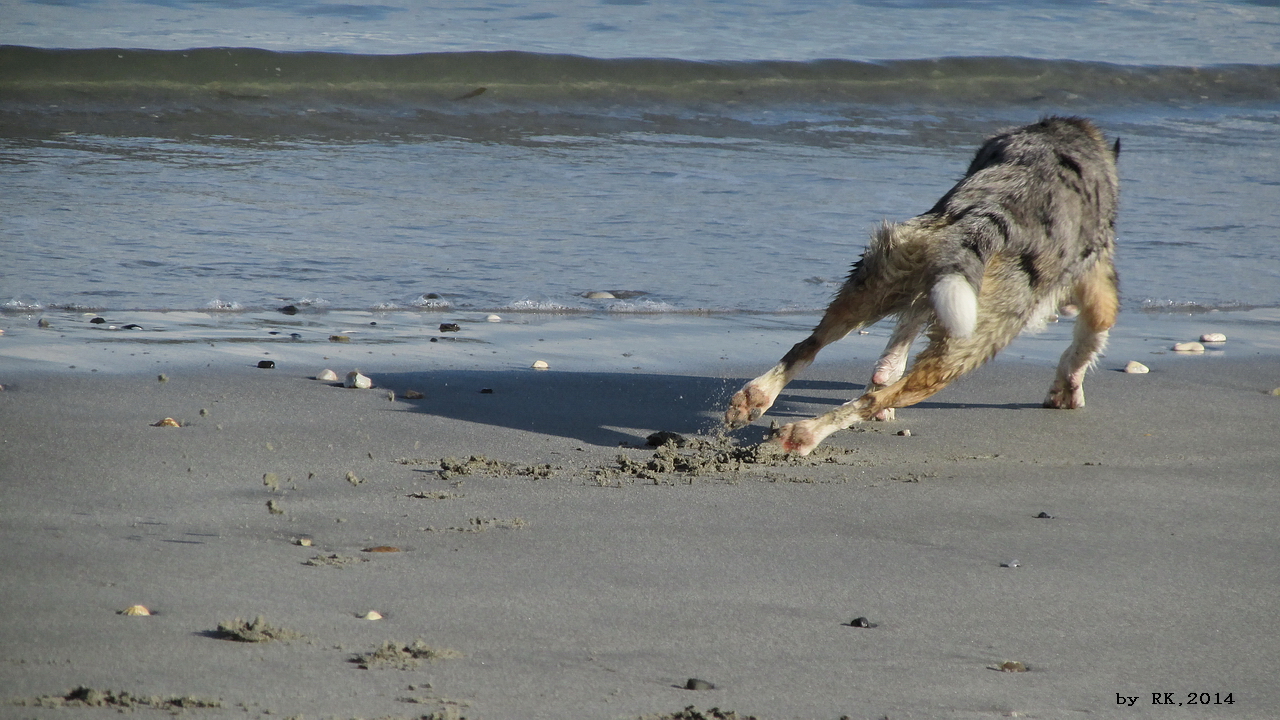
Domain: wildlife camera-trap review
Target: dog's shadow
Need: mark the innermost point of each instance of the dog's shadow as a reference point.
(608, 409)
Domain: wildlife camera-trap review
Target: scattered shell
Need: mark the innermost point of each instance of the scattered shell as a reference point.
(167, 422)
(696, 684)
(413, 395)
(266, 364)
(382, 548)
(371, 615)
(204, 412)
(450, 327)
(1012, 666)
(132, 326)
(43, 323)
(540, 365)
(303, 541)
(162, 377)
(339, 338)
(356, 380)
(327, 375)
(904, 433)
(1011, 564)
(135, 611)
(353, 478)
(271, 480)
(493, 318)
(274, 508)
(1136, 368)
(1193, 348)
(1276, 392)
(599, 295)
(1213, 337)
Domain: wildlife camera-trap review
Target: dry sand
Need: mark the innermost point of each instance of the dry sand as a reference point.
(547, 579)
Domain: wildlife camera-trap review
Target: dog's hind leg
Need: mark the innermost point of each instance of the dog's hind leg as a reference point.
(1099, 302)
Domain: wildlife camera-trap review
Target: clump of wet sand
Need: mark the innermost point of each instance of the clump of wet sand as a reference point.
(400, 656)
(122, 701)
(481, 465)
(253, 632)
(676, 454)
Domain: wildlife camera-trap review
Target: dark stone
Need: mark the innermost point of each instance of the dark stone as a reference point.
(860, 622)
(486, 391)
(1044, 516)
(266, 364)
(289, 309)
(98, 320)
(450, 327)
(696, 684)
(662, 437)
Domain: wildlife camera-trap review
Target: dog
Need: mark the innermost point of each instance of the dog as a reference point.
(1029, 227)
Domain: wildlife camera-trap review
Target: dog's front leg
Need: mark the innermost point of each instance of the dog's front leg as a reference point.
(757, 396)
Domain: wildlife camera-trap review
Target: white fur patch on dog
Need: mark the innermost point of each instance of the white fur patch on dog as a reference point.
(956, 304)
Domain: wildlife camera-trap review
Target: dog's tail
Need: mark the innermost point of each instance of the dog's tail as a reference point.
(955, 302)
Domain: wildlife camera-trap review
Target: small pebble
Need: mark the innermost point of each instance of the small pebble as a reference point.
(135, 611)
(1011, 564)
(131, 326)
(696, 684)
(266, 364)
(1012, 666)
(162, 377)
(327, 375)
(486, 391)
(356, 380)
(1276, 392)
(167, 422)
(339, 338)
(40, 323)
(493, 318)
(98, 320)
(296, 336)
(450, 327)
(540, 365)
(1191, 348)
(289, 309)
(1044, 516)
(353, 478)
(413, 395)
(600, 295)
(1213, 337)
(860, 622)
(371, 615)
(904, 433)
(382, 549)
(271, 480)
(1136, 368)
(303, 541)
(391, 395)
(204, 412)
(274, 508)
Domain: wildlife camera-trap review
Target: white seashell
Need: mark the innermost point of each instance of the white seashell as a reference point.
(600, 295)
(1191, 348)
(167, 422)
(540, 365)
(356, 380)
(493, 318)
(1136, 368)
(327, 375)
(371, 615)
(135, 611)
(302, 541)
(1213, 337)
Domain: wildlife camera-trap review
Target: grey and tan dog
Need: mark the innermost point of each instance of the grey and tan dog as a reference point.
(1030, 226)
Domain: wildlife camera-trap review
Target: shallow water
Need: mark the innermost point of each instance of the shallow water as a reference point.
(739, 175)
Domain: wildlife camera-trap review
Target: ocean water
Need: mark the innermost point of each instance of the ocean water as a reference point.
(706, 159)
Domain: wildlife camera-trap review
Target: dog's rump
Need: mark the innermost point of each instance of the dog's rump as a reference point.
(1040, 199)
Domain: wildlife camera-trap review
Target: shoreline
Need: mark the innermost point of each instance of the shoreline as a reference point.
(566, 585)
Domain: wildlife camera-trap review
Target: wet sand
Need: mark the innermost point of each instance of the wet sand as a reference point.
(549, 579)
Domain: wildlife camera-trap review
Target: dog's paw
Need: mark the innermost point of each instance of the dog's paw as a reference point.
(799, 438)
(1064, 398)
(747, 405)
(887, 415)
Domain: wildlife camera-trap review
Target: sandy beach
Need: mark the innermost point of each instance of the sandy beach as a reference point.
(1126, 551)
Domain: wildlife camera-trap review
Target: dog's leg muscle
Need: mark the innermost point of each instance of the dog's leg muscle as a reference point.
(1099, 303)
